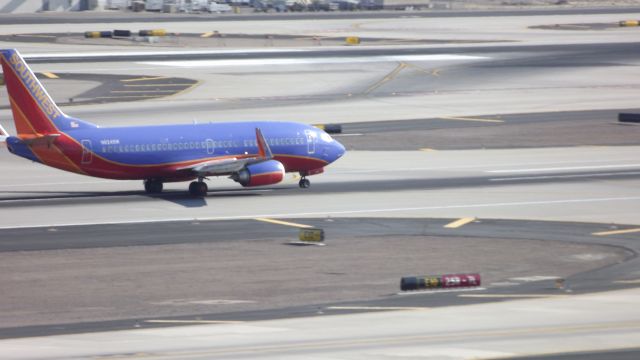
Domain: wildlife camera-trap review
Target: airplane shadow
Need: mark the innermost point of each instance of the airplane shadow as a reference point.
(182, 198)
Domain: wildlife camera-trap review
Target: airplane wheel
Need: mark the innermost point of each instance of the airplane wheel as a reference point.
(153, 186)
(198, 188)
(304, 183)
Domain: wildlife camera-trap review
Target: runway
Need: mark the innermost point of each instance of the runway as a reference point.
(500, 158)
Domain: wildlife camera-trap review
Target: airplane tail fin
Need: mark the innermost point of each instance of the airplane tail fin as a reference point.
(34, 111)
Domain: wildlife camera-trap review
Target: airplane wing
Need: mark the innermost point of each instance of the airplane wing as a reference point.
(231, 165)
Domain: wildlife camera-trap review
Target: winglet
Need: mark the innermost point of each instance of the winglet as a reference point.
(263, 148)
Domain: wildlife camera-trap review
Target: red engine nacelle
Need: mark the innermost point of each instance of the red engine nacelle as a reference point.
(265, 173)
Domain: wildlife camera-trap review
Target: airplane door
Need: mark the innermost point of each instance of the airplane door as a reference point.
(210, 147)
(87, 152)
(311, 141)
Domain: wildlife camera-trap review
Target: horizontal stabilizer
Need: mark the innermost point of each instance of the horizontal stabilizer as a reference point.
(39, 140)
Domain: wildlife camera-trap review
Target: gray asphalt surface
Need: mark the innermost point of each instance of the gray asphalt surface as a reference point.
(39, 198)
(628, 354)
(571, 128)
(109, 276)
(560, 55)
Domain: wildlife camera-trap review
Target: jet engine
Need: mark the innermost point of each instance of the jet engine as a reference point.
(265, 173)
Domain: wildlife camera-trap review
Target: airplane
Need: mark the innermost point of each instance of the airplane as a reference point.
(252, 153)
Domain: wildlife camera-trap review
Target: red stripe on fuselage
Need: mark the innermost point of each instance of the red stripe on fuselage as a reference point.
(294, 163)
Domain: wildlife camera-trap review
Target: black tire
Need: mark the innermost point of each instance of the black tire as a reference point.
(198, 189)
(304, 183)
(153, 186)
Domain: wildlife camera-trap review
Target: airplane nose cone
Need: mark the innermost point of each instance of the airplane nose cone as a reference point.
(339, 150)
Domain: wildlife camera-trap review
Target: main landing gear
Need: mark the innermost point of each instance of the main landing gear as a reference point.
(198, 188)
(153, 186)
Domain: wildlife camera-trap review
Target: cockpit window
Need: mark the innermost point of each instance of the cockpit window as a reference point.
(326, 137)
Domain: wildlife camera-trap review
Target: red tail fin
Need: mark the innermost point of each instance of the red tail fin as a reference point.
(34, 112)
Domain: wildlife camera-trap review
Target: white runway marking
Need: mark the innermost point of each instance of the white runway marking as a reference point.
(193, 322)
(337, 212)
(546, 177)
(569, 168)
(156, 53)
(310, 61)
(377, 308)
(436, 291)
(535, 278)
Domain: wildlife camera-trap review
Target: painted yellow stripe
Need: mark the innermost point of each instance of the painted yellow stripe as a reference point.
(193, 322)
(285, 223)
(387, 78)
(207, 34)
(427, 149)
(471, 119)
(185, 90)
(616, 232)
(144, 79)
(460, 222)
(50, 75)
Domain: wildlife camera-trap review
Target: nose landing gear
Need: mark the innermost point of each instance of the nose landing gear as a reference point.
(198, 188)
(304, 183)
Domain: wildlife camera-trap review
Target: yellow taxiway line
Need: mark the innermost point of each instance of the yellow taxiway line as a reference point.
(470, 119)
(460, 222)
(144, 79)
(285, 223)
(50, 75)
(390, 76)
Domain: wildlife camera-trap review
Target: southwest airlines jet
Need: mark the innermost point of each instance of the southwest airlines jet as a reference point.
(252, 153)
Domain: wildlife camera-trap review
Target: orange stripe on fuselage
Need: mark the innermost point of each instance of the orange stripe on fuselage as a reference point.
(48, 154)
(53, 156)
